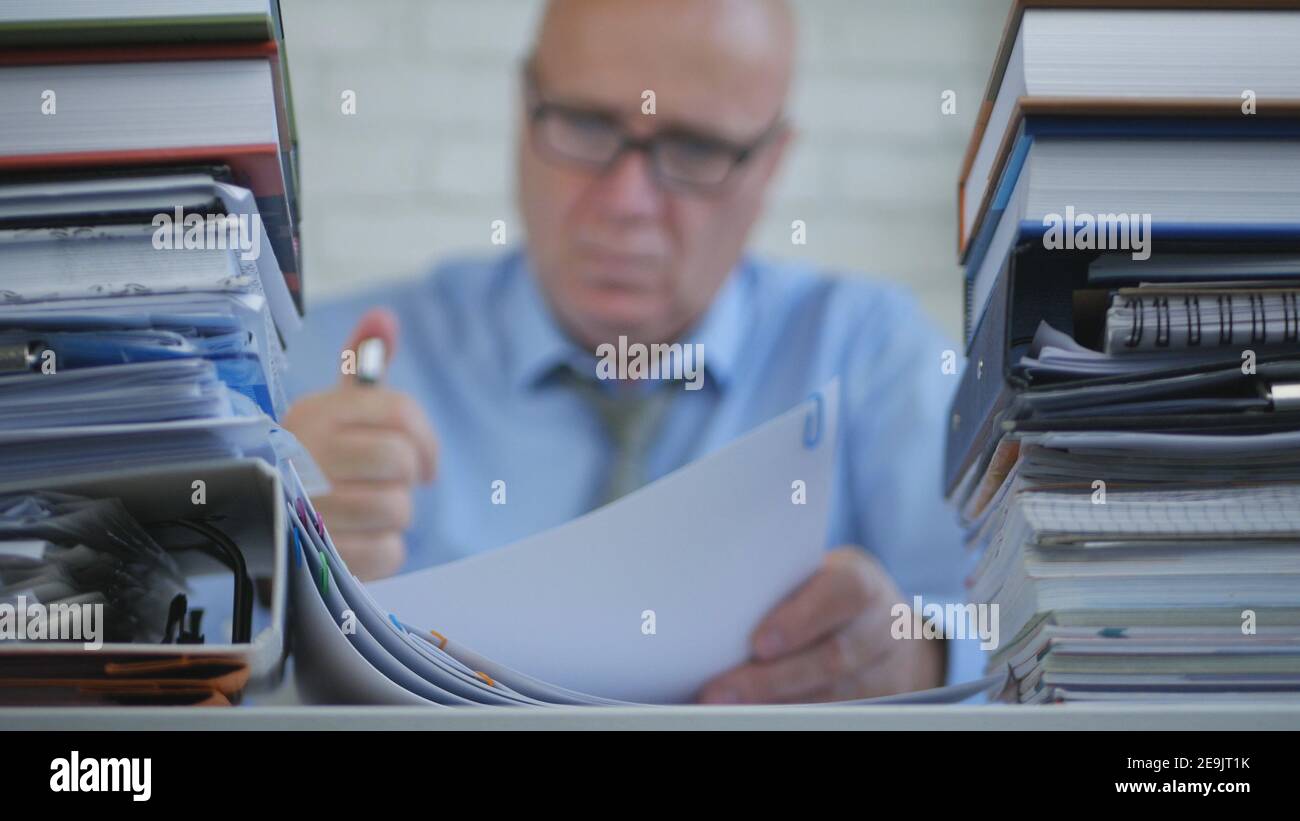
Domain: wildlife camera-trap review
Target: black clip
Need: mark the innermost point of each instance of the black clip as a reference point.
(220, 547)
(175, 615)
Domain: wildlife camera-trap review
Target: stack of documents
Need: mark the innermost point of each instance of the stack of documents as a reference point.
(148, 260)
(96, 91)
(1125, 441)
(571, 615)
(641, 601)
(1177, 576)
(148, 263)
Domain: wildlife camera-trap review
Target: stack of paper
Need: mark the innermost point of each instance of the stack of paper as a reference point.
(1125, 443)
(1146, 585)
(573, 616)
(643, 600)
(148, 261)
(148, 264)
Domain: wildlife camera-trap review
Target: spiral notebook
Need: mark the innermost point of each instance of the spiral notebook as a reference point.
(1153, 319)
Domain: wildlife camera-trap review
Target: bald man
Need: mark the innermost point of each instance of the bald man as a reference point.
(636, 228)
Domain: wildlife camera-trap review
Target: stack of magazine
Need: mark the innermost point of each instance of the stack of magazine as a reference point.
(1124, 446)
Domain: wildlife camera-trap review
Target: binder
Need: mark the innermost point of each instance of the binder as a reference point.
(1004, 112)
(977, 200)
(107, 21)
(246, 497)
(267, 166)
(1037, 285)
(1102, 168)
(1022, 296)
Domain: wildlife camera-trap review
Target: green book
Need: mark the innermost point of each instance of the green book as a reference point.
(43, 23)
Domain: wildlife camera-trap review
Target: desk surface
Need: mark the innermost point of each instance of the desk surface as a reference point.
(1263, 716)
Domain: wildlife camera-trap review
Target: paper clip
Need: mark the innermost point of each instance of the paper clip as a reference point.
(324, 573)
(442, 640)
(812, 423)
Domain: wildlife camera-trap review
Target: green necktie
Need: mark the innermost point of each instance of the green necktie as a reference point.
(631, 419)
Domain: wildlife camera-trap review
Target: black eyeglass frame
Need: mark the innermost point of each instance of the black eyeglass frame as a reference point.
(537, 107)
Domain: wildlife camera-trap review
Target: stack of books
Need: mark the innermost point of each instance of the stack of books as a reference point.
(1124, 447)
(149, 271)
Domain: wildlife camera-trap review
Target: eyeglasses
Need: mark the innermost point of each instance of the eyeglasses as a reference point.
(680, 160)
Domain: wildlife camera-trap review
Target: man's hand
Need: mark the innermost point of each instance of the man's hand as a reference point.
(830, 641)
(374, 445)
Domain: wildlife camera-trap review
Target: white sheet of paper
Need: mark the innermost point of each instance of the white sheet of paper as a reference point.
(708, 549)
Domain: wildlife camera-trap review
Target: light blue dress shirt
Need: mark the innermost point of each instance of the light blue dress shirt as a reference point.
(479, 349)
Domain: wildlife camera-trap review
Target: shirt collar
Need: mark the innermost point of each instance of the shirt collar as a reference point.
(538, 345)
(721, 331)
(536, 342)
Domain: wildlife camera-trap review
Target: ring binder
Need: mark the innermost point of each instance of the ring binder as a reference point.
(220, 547)
(245, 496)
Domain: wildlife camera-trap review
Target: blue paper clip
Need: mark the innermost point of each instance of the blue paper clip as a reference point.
(812, 423)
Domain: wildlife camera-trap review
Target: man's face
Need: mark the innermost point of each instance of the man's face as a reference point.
(616, 251)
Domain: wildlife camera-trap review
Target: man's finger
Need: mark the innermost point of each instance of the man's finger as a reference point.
(377, 407)
(370, 455)
(798, 676)
(830, 599)
(849, 663)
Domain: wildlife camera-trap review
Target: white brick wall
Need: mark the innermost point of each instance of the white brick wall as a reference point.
(426, 164)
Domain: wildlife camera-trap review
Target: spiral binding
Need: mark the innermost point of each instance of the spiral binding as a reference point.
(1223, 305)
